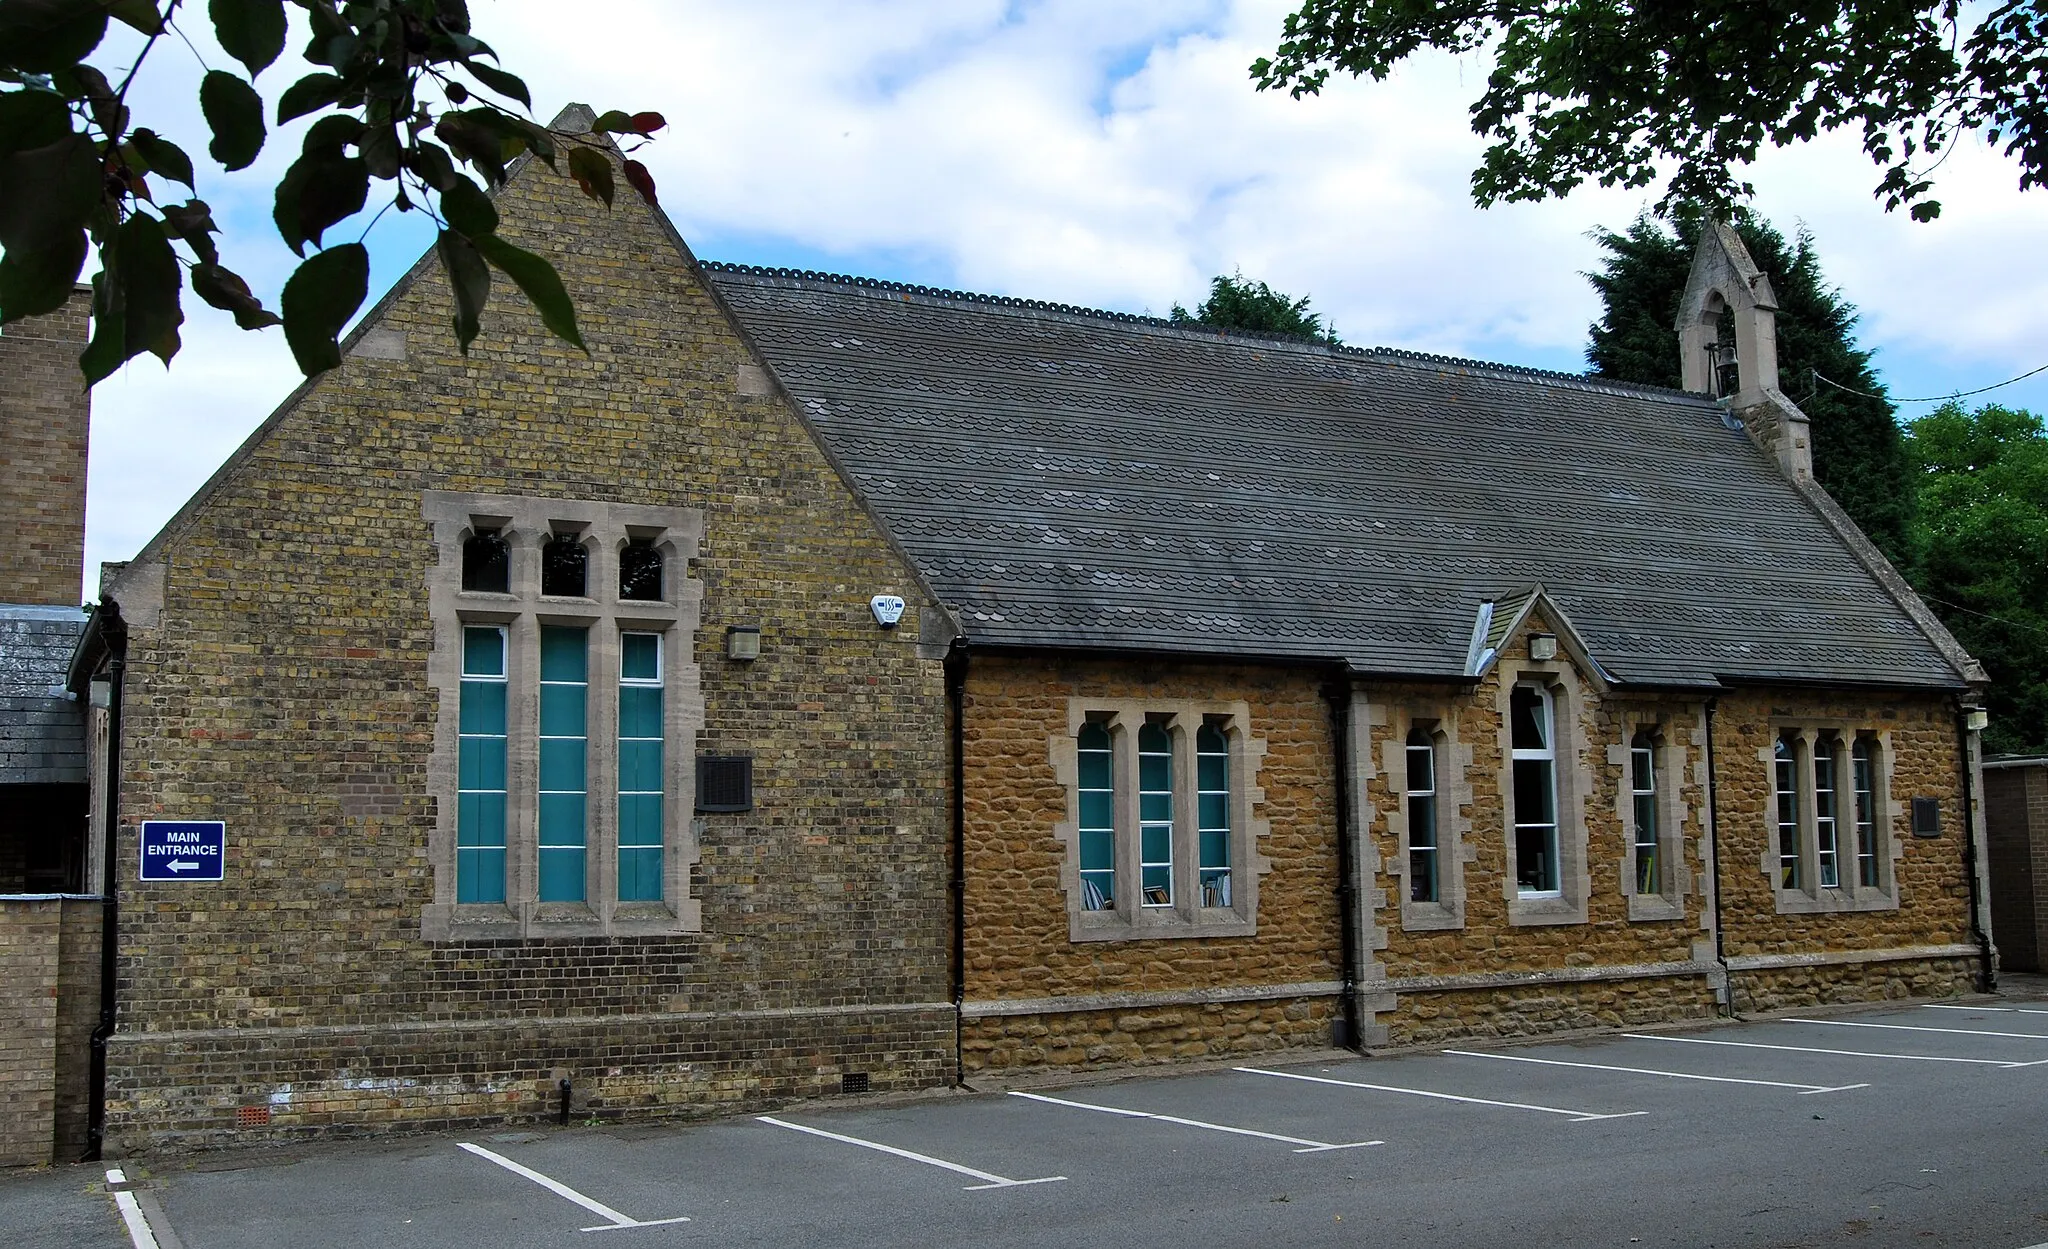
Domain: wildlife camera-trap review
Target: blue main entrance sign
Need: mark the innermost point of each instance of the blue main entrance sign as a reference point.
(183, 849)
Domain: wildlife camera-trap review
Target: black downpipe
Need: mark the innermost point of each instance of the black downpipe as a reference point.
(1989, 980)
(1714, 841)
(956, 710)
(1339, 696)
(114, 632)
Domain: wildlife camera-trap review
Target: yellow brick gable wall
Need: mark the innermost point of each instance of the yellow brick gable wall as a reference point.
(283, 688)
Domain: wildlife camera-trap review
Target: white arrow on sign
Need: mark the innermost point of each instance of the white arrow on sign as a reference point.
(182, 866)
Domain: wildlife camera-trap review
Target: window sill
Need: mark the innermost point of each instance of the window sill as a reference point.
(1430, 917)
(1653, 908)
(1162, 924)
(1533, 909)
(1834, 901)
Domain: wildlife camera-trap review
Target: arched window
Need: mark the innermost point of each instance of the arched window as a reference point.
(1786, 772)
(1423, 881)
(565, 567)
(487, 563)
(1212, 814)
(1098, 819)
(1863, 778)
(1826, 836)
(1533, 746)
(1155, 816)
(1642, 784)
(640, 571)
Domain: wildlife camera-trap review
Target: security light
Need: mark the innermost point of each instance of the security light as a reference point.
(743, 642)
(1542, 646)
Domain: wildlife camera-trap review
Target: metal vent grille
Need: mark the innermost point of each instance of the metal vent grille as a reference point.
(854, 1082)
(725, 783)
(1927, 817)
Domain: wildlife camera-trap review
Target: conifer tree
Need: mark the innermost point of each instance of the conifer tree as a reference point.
(1858, 453)
(1238, 303)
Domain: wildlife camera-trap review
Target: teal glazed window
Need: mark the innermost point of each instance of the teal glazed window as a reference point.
(480, 783)
(1098, 819)
(1212, 815)
(640, 767)
(564, 761)
(1155, 816)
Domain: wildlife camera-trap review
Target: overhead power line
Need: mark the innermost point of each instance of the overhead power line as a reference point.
(1960, 394)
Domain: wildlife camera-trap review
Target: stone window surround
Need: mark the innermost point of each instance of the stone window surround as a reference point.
(527, 523)
(1127, 920)
(1813, 899)
(1573, 780)
(1455, 845)
(1671, 815)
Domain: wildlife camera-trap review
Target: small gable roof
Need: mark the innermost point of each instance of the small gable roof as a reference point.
(1076, 479)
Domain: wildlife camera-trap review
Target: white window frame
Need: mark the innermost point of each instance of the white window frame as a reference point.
(1670, 816)
(527, 523)
(1835, 741)
(1559, 684)
(1455, 847)
(1551, 874)
(1130, 916)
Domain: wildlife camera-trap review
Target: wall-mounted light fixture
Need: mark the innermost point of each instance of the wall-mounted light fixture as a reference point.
(743, 642)
(1976, 719)
(1542, 646)
(888, 609)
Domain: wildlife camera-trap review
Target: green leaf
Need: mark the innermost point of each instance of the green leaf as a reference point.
(139, 14)
(466, 209)
(309, 95)
(507, 85)
(318, 301)
(36, 281)
(470, 278)
(593, 172)
(322, 187)
(251, 31)
(193, 222)
(543, 286)
(433, 164)
(30, 119)
(235, 112)
(135, 299)
(44, 36)
(229, 293)
(612, 121)
(163, 156)
(49, 191)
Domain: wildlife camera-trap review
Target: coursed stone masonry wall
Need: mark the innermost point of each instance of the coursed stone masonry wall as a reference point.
(283, 688)
(1018, 951)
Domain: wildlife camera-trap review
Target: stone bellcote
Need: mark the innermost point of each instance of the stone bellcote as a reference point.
(1725, 285)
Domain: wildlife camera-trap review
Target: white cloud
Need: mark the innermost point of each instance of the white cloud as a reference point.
(1105, 153)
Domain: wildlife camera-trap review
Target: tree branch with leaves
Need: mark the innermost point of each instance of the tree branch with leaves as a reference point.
(1623, 92)
(402, 92)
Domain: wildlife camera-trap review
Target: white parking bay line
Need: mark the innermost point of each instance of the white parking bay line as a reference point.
(1311, 1147)
(1804, 1090)
(989, 1181)
(131, 1210)
(2004, 1010)
(1906, 1027)
(1577, 1116)
(562, 1190)
(1809, 1049)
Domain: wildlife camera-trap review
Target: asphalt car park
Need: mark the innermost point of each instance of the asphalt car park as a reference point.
(1909, 1125)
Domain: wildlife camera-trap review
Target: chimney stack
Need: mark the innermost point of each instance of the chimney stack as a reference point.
(45, 412)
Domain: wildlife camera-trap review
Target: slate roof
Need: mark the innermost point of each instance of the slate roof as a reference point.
(42, 732)
(1079, 479)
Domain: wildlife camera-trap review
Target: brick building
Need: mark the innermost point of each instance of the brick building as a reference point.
(1245, 695)
(2016, 829)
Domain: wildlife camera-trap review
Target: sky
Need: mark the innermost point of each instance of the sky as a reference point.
(1107, 153)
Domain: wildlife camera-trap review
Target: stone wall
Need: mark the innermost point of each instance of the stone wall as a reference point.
(278, 680)
(1017, 945)
(1436, 1017)
(44, 411)
(2016, 826)
(50, 948)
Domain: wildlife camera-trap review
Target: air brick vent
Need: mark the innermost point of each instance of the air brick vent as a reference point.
(725, 783)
